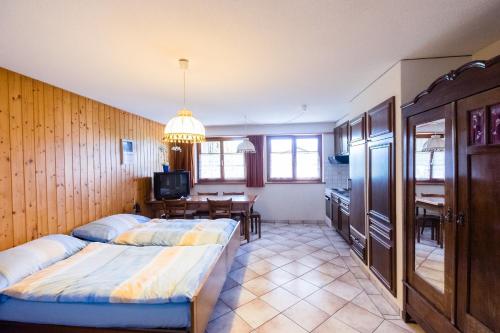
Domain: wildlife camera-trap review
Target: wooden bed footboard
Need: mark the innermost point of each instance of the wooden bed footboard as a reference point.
(207, 295)
(202, 305)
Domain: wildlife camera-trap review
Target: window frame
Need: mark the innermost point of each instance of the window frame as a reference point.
(430, 180)
(293, 179)
(221, 180)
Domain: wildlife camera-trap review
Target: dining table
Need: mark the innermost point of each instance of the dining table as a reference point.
(241, 203)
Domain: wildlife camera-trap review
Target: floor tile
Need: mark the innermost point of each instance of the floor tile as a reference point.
(278, 260)
(300, 287)
(242, 275)
(228, 323)
(229, 284)
(259, 286)
(362, 300)
(334, 325)
(220, 309)
(383, 306)
(263, 253)
(343, 290)
(280, 324)
(280, 299)
(311, 261)
(332, 269)
(388, 327)
(279, 276)
(317, 278)
(358, 318)
(237, 296)
(326, 301)
(256, 312)
(368, 286)
(262, 267)
(306, 315)
(296, 268)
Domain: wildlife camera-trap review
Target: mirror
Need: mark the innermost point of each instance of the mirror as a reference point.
(430, 202)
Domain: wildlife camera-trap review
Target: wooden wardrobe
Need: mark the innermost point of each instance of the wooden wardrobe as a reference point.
(451, 278)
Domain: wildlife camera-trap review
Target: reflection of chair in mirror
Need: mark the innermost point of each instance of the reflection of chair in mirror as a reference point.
(431, 221)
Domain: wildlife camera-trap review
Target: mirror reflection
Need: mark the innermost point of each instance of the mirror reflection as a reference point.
(430, 202)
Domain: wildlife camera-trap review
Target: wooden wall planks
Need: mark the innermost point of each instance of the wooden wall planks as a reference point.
(60, 164)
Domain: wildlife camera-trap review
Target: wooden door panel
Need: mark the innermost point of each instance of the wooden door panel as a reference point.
(357, 218)
(380, 119)
(478, 216)
(357, 129)
(381, 211)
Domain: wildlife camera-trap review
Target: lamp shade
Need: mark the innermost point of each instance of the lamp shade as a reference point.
(246, 147)
(184, 128)
(435, 143)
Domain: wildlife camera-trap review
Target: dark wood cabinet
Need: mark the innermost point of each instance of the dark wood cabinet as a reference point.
(381, 203)
(335, 213)
(465, 295)
(341, 138)
(344, 228)
(357, 168)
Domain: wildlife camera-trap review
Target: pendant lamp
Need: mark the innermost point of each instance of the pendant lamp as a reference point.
(246, 146)
(435, 143)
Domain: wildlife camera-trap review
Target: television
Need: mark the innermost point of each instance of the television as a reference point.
(171, 185)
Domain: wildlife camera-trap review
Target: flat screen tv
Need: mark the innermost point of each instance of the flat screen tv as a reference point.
(171, 185)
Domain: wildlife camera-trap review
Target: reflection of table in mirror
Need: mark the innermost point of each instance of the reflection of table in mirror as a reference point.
(434, 204)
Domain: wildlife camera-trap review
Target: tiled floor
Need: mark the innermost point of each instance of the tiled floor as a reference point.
(429, 260)
(301, 278)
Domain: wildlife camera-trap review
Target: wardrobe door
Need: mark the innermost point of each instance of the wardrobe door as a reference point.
(430, 228)
(478, 214)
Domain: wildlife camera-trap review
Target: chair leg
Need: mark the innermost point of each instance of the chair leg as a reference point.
(259, 225)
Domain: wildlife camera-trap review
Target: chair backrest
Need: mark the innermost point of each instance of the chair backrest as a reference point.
(233, 193)
(175, 208)
(220, 208)
(208, 193)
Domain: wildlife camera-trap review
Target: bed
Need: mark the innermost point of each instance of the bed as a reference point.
(184, 315)
(128, 229)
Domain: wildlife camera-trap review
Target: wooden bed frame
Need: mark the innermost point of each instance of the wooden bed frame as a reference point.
(202, 304)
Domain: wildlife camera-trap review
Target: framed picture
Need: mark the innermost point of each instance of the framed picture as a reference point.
(127, 151)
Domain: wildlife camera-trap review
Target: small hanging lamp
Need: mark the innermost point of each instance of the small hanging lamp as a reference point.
(184, 128)
(246, 146)
(435, 143)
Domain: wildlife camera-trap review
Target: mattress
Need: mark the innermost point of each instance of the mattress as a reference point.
(170, 315)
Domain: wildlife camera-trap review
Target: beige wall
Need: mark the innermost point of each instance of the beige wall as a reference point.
(280, 202)
(404, 81)
(488, 52)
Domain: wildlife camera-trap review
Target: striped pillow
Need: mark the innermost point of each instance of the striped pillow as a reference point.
(108, 228)
(20, 261)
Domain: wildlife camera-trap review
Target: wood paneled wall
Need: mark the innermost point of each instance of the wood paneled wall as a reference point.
(60, 163)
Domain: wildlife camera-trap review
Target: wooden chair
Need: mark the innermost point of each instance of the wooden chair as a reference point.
(233, 193)
(220, 208)
(429, 221)
(236, 214)
(255, 220)
(203, 213)
(176, 209)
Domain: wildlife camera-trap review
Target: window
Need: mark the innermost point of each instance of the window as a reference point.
(429, 166)
(219, 161)
(294, 158)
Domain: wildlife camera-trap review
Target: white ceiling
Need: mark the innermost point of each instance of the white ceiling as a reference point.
(262, 58)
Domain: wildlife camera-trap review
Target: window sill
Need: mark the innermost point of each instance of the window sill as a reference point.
(295, 182)
(429, 182)
(221, 182)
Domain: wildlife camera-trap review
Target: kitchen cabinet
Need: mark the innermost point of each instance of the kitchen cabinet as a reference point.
(341, 138)
(381, 186)
(357, 168)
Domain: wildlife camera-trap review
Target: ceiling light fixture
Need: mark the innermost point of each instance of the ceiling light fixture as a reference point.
(435, 143)
(184, 128)
(246, 146)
